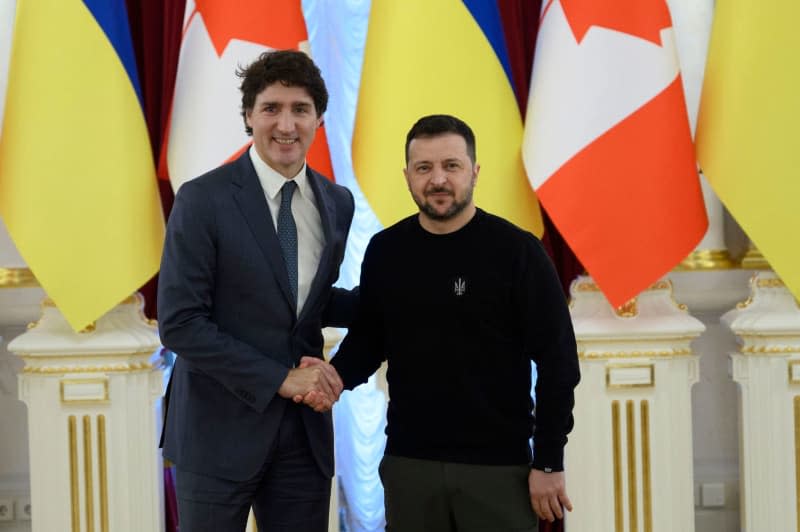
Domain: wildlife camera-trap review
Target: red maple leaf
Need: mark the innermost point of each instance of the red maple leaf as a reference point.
(640, 18)
(277, 24)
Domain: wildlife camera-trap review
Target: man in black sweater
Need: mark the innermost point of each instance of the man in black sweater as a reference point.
(459, 302)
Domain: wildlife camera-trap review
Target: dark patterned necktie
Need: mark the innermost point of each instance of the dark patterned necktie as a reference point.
(287, 234)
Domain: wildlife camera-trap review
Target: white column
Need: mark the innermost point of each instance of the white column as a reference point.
(767, 370)
(93, 423)
(629, 457)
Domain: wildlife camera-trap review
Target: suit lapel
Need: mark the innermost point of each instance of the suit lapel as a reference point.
(253, 204)
(327, 215)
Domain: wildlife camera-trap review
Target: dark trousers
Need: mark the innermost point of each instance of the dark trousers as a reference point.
(288, 494)
(431, 496)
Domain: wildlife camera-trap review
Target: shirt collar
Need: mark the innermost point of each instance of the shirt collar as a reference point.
(272, 181)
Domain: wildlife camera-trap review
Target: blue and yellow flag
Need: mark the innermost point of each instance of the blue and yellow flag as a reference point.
(77, 181)
(450, 57)
(747, 140)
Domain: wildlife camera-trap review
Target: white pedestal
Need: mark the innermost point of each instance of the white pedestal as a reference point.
(767, 369)
(93, 440)
(629, 457)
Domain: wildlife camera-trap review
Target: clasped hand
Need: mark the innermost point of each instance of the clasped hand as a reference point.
(314, 382)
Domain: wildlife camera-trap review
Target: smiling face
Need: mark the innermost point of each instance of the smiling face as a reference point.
(441, 178)
(284, 122)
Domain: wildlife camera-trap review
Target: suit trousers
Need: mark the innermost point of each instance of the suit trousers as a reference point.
(288, 494)
(433, 496)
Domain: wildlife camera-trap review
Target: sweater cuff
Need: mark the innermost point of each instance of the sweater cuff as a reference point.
(548, 459)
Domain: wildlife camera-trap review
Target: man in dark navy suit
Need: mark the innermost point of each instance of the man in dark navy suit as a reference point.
(252, 250)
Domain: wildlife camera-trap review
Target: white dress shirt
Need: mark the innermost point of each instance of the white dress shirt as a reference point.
(310, 237)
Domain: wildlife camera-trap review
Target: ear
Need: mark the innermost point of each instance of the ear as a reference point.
(320, 121)
(475, 171)
(408, 181)
(247, 114)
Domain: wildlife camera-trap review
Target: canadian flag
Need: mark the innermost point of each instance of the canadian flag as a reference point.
(607, 143)
(205, 125)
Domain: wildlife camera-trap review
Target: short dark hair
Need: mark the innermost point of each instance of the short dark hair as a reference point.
(435, 125)
(291, 68)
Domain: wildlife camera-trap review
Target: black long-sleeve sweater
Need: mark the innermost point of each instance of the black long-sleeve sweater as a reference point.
(459, 317)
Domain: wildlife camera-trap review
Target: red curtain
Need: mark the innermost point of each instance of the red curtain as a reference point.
(156, 28)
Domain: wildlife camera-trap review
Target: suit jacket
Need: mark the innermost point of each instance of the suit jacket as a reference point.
(225, 308)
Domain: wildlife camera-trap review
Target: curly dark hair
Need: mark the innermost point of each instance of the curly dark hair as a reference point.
(291, 68)
(435, 125)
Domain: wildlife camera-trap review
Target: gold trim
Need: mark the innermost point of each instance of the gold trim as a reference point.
(110, 368)
(647, 494)
(754, 260)
(768, 350)
(629, 309)
(744, 304)
(598, 355)
(770, 283)
(651, 384)
(103, 381)
(73, 473)
(790, 366)
(797, 458)
(707, 259)
(587, 286)
(42, 356)
(616, 446)
(17, 278)
(633, 513)
(102, 471)
(88, 484)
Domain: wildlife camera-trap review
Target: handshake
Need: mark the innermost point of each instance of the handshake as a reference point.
(314, 382)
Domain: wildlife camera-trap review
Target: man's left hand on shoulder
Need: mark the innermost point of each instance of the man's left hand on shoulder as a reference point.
(548, 494)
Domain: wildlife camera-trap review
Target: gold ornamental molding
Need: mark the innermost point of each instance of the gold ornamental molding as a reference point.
(127, 367)
(754, 260)
(769, 349)
(647, 489)
(17, 278)
(770, 283)
(629, 309)
(707, 259)
(616, 448)
(74, 495)
(630, 432)
(600, 355)
(625, 467)
(590, 286)
(31, 357)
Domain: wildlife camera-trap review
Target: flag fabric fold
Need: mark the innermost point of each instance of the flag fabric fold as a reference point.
(417, 64)
(747, 139)
(607, 142)
(205, 128)
(77, 181)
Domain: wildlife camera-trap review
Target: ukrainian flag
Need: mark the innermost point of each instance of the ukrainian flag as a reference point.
(445, 56)
(77, 181)
(747, 139)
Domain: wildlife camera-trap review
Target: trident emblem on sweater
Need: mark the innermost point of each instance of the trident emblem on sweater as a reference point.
(459, 287)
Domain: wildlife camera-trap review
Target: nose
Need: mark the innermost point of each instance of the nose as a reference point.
(285, 122)
(438, 177)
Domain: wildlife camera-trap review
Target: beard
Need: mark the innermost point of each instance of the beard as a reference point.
(455, 208)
